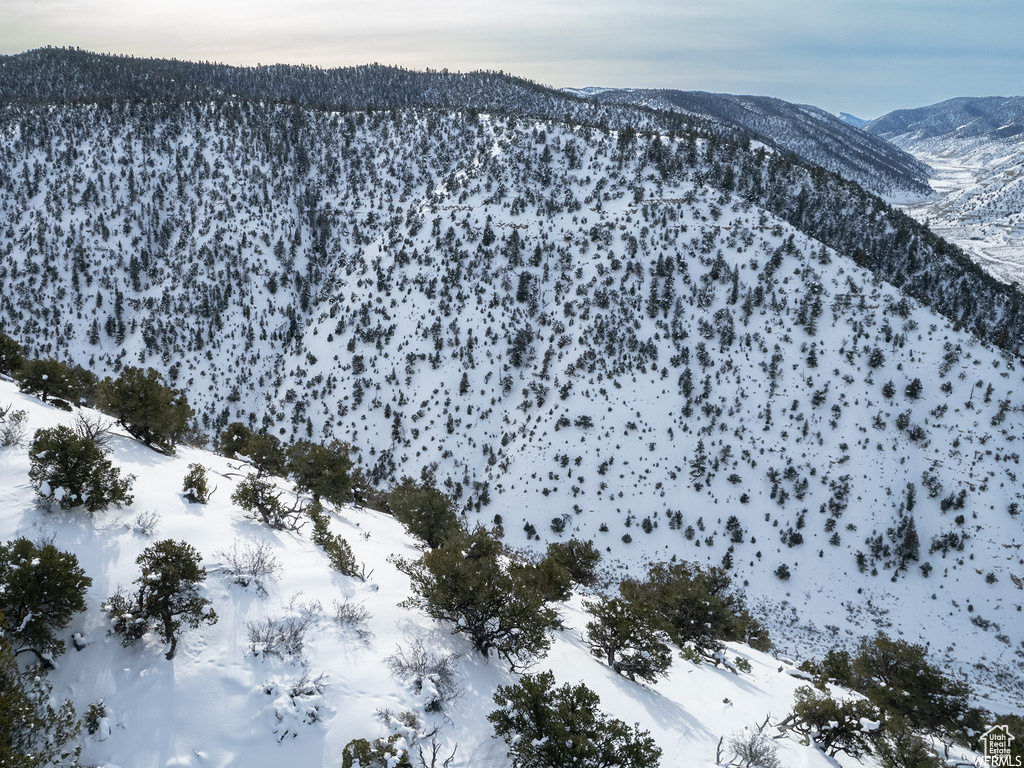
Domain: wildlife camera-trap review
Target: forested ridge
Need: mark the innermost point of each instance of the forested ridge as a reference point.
(590, 326)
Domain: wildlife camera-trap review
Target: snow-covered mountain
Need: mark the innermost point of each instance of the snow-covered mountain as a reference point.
(815, 136)
(961, 119)
(225, 700)
(669, 343)
(856, 122)
(975, 147)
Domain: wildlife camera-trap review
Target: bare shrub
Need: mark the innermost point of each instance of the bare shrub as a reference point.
(250, 563)
(432, 677)
(353, 617)
(752, 749)
(91, 426)
(13, 427)
(307, 686)
(284, 638)
(145, 523)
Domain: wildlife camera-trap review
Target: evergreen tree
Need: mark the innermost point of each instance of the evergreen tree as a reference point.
(32, 732)
(47, 378)
(41, 589)
(696, 607)
(428, 514)
(468, 582)
(86, 385)
(11, 355)
(895, 675)
(546, 577)
(323, 471)
(261, 499)
(167, 597)
(195, 486)
(266, 454)
(153, 413)
(546, 727)
(835, 725)
(579, 558)
(234, 439)
(907, 543)
(626, 636)
(524, 289)
(72, 471)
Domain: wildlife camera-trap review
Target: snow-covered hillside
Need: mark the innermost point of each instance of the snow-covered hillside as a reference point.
(218, 704)
(652, 403)
(813, 135)
(571, 330)
(975, 148)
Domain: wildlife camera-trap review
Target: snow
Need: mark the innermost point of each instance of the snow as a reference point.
(215, 690)
(219, 704)
(979, 201)
(868, 725)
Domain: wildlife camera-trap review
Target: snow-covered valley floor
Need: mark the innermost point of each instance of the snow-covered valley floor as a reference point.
(979, 205)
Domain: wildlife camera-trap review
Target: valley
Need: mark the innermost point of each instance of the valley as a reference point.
(975, 149)
(978, 206)
(593, 320)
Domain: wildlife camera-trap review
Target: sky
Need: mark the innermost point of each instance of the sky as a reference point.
(867, 57)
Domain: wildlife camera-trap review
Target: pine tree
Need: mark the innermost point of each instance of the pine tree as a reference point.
(195, 486)
(895, 675)
(47, 378)
(41, 589)
(11, 355)
(323, 471)
(696, 607)
(32, 732)
(579, 558)
(73, 471)
(153, 413)
(260, 498)
(167, 597)
(544, 727)
(468, 582)
(266, 454)
(428, 514)
(234, 439)
(627, 637)
(835, 725)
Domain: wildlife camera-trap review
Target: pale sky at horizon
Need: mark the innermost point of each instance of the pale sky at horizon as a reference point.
(867, 58)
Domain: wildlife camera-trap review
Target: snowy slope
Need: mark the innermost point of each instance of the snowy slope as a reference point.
(560, 325)
(210, 706)
(810, 133)
(818, 431)
(975, 147)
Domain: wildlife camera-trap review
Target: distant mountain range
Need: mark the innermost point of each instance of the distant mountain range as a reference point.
(810, 134)
(856, 122)
(813, 135)
(995, 118)
(976, 149)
